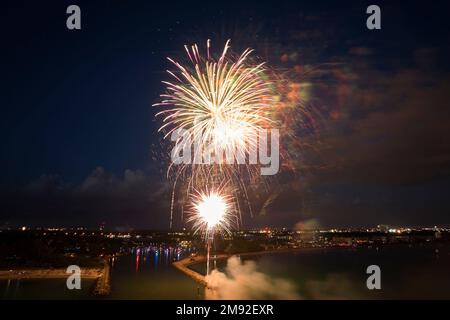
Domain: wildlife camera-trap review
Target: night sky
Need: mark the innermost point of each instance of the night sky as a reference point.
(80, 143)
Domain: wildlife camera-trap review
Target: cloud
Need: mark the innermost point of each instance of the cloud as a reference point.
(309, 224)
(132, 184)
(133, 199)
(382, 152)
(242, 280)
(47, 184)
(392, 127)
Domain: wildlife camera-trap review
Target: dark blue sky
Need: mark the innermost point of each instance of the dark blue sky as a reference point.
(73, 101)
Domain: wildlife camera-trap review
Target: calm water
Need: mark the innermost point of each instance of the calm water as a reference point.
(43, 289)
(420, 272)
(407, 272)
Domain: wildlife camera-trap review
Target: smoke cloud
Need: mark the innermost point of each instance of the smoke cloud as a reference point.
(243, 281)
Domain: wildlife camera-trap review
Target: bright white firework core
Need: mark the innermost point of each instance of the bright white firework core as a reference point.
(212, 209)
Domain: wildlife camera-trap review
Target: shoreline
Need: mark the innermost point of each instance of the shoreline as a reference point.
(49, 273)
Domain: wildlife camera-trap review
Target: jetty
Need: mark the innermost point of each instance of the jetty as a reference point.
(183, 266)
(102, 274)
(103, 285)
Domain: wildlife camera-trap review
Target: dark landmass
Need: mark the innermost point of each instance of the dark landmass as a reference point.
(58, 248)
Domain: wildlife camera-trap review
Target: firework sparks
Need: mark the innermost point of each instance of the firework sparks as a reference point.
(219, 103)
(212, 212)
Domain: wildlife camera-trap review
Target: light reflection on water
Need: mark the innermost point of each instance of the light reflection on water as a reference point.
(147, 273)
(156, 255)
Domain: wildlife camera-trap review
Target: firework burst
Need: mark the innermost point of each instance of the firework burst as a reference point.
(211, 212)
(219, 103)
